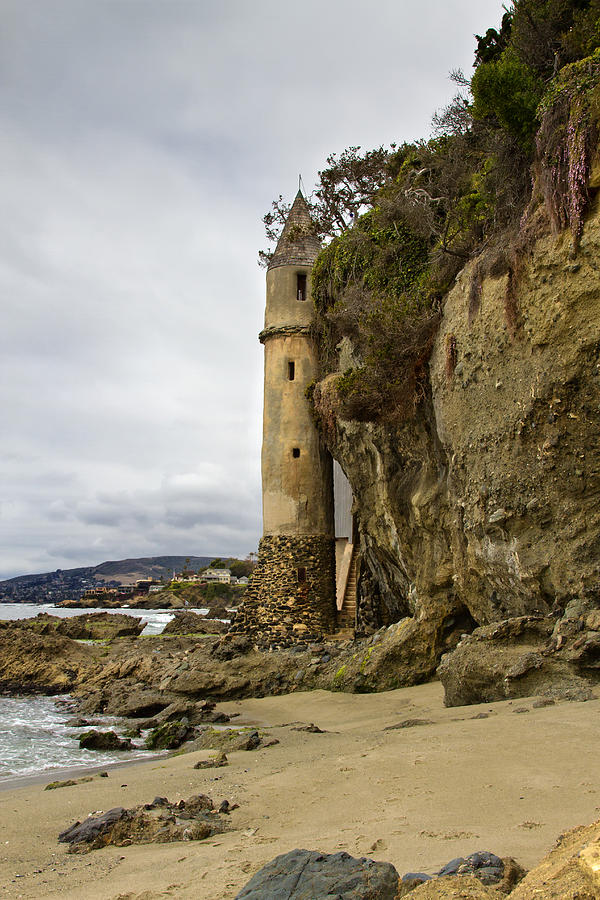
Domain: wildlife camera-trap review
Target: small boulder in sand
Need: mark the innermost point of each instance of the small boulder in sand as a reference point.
(308, 873)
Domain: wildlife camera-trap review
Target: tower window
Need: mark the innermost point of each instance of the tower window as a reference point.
(301, 286)
(296, 452)
(301, 573)
(291, 370)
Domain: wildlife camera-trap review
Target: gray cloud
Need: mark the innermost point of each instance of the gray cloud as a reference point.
(142, 142)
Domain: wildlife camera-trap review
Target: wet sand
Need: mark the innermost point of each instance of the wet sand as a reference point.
(415, 796)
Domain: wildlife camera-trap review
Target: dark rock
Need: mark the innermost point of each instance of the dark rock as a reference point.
(251, 741)
(542, 702)
(137, 704)
(92, 828)
(484, 858)
(103, 740)
(485, 866)
(452, 867)
(157, 803)
(217, 718)
(169, 736)
(307, 874)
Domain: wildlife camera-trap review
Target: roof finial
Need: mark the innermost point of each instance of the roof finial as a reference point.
(300, 185)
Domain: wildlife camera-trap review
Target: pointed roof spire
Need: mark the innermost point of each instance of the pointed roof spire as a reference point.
(298, 243)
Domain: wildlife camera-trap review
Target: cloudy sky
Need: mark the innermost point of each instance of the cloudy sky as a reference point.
(142, 141)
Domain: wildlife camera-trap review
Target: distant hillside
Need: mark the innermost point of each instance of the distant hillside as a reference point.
(70, 584)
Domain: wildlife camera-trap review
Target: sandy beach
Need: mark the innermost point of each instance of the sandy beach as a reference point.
(505, 777)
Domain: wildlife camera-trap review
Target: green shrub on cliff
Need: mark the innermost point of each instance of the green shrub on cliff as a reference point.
(508, 92)
(402, 222)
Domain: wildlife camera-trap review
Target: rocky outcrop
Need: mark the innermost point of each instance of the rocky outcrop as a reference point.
(485, 506)
(45, 664)
(525, 656)
(86, 627)
(192, 623)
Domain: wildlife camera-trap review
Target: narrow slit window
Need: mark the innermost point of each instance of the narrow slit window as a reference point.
(301, 572)
(301, 286)
(291, 370)
(296, 452)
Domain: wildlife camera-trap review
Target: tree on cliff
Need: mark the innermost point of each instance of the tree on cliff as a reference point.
(346, 187)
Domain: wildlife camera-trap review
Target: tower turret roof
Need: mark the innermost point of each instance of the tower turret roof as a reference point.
(298, 244)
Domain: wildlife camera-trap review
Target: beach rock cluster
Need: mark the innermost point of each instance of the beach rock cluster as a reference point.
(158, 822)
(304, 874)
(486, 867)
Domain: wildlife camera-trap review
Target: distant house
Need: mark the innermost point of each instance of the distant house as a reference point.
(156, 588)
(220, 576)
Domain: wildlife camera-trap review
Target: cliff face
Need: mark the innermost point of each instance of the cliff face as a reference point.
(486, 505)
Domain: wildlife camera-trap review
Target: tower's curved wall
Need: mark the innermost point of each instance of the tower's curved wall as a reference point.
(296, 468)
(291, 595)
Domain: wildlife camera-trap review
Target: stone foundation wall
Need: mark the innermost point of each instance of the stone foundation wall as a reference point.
(278, 608)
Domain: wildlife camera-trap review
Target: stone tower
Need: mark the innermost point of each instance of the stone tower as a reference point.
(292, 591)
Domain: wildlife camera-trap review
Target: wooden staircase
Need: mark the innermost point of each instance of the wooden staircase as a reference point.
(346, 615)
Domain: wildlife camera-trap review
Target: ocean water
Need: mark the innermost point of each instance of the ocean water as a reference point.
(35, 739)
(155, 619)
(34, 735)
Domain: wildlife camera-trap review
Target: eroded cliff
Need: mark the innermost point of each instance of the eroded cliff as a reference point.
(485, 505)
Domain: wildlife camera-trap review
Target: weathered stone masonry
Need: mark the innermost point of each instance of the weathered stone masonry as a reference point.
(290, 596)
